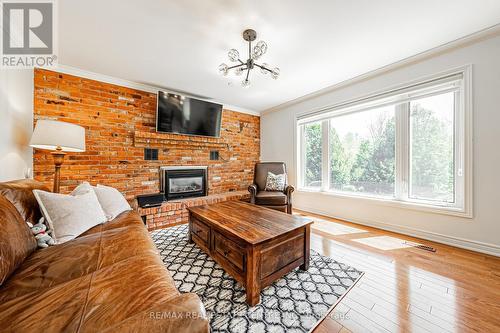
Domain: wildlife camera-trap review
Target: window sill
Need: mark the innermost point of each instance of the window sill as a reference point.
(444, 210)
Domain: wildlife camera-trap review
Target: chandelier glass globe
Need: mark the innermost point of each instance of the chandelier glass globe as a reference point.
(262, 46)
(238, 71)
(257, 52)
(275, 73)
(223, 69)
(245, 83)
(233, 55)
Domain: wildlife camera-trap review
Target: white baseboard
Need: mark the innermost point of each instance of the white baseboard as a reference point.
(467, 244)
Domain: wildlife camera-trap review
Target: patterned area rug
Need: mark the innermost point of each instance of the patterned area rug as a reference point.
(294, 303)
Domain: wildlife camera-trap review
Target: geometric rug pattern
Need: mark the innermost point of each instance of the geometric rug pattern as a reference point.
(294, 303)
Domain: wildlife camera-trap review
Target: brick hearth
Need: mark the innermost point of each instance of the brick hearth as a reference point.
(175, 212)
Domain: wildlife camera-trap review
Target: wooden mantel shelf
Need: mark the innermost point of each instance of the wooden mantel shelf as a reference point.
(166, 140)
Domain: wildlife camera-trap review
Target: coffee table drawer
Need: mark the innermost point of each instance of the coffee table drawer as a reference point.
(230, 251)
(276, 257)
(200, 230)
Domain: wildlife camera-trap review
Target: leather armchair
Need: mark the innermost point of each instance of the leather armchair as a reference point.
(272, 199)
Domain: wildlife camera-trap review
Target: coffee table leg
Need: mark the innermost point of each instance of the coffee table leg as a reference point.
(252, 277)
(307, 248)
(190, 239)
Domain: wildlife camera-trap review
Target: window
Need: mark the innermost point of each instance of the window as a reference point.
(312, 136)
(432, 163)
(362, 152)
(407, 146)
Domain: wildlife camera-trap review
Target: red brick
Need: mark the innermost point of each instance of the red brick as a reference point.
(117, 131)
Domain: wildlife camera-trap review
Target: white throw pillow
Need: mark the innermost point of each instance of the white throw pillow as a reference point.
(68, 216)
(275, 182)
(113, 203)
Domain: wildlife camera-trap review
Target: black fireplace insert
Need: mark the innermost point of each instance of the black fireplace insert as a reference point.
(183, 182)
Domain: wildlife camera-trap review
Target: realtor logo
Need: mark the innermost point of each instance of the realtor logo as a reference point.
(28, 32)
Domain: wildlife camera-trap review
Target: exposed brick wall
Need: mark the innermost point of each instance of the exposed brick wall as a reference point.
(117, 122)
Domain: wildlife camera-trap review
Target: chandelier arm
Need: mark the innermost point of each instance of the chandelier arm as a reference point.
(248, 73)
(264, 68)
(241, 62)
(236, 66)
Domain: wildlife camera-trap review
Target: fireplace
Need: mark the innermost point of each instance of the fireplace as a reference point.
(178, 182)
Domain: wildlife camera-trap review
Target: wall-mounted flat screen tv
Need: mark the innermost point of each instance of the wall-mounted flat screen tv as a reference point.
(185, 115)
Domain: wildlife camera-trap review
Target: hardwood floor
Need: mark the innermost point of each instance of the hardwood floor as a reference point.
(406, 289)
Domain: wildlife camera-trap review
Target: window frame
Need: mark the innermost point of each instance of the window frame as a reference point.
(462, 142)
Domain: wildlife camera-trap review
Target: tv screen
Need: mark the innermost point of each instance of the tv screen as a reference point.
(184, 115)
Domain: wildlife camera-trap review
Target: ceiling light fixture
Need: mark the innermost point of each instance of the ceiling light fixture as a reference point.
(253, 54)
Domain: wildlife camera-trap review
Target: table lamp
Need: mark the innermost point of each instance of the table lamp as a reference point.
(60, 137)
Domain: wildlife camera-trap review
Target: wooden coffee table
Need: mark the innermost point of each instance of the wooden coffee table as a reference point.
(255, 245)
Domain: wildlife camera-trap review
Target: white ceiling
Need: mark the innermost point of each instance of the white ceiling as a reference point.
(179, 44)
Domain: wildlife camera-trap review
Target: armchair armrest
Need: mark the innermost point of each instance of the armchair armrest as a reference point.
(253, 192)
(288, 191)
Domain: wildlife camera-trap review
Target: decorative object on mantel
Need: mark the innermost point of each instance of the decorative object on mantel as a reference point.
(254, 54)
(61, 137)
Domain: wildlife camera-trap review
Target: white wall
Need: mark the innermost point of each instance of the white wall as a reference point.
(16, 123)
(481, 233)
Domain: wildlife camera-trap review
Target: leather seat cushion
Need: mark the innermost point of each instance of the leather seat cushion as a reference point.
(185, 302)
(17, 241)
(281, 208)
(19, 192)
(84, 255)
(92, 302)
(270, 198)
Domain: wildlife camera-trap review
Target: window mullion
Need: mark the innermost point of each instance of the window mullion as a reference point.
(402, 151)
(302, 154)
(458, 153)
(325, 156)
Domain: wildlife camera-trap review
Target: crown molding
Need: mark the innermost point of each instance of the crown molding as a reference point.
(443, 48)
(65, 69)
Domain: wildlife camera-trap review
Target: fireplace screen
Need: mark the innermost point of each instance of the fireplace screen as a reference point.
(185, 185)
(183, 182)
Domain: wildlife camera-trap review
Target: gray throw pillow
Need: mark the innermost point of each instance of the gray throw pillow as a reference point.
(275, 182)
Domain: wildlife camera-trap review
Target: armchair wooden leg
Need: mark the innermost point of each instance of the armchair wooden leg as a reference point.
(289, 209)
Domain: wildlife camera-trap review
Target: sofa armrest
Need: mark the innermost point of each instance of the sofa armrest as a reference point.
(182, 314)
(253, 192)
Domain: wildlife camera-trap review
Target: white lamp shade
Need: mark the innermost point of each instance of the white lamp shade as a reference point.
(50, 134)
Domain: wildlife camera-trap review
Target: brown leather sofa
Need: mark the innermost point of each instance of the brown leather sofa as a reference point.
(110, 279)
(272, 199)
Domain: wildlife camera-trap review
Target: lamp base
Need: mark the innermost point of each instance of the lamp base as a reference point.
(58, 156)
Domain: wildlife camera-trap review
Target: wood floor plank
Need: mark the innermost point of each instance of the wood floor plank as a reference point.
(406, 289)
(372, 316)
(342, 315)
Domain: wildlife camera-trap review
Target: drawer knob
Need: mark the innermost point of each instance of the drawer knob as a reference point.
(226, 252)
